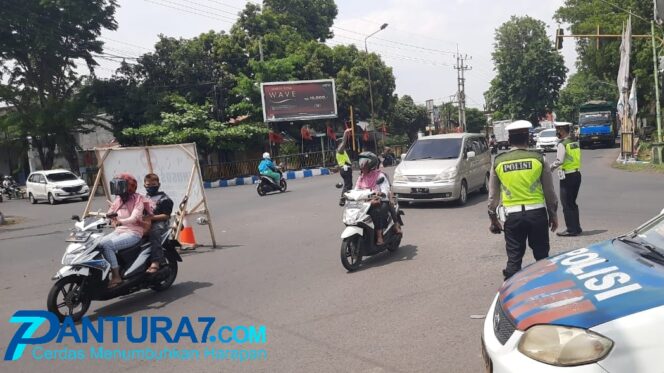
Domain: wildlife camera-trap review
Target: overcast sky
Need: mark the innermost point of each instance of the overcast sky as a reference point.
(418, 43)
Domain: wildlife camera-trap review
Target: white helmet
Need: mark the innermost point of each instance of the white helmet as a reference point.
(266, 155)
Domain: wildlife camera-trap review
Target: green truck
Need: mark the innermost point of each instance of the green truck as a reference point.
(597, 123)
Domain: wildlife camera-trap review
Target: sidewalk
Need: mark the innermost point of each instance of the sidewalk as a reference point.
(290, 175)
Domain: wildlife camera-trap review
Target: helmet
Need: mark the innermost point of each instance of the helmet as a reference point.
(266, 155)
(124, 185)
(369, 159)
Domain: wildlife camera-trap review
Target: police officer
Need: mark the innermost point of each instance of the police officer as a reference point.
(568, 163)
(522, 180)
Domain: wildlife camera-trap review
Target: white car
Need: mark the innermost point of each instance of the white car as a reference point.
(594, 309)
(55, 186)
(547, 140)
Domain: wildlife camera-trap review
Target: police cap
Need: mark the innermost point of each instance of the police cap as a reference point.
(519, 126)
(563, 124)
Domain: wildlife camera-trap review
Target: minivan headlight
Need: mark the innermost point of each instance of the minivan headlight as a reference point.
(446, 175)
(564, 346)
(399, 177)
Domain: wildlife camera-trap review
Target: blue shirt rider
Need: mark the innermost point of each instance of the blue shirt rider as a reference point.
(267, 168)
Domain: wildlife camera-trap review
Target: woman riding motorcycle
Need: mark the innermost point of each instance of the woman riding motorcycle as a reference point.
(267, 168)
(371, 177)
(128, 223)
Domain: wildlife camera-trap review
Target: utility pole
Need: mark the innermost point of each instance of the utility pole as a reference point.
(461, 67)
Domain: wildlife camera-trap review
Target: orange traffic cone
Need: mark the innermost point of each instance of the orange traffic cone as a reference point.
(187, 239)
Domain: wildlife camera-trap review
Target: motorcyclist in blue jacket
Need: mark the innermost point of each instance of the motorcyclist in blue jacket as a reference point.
(267, 168)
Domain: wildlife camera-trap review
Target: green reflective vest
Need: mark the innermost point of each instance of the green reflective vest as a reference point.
(342, 159)
(572, 159)
(520, 173)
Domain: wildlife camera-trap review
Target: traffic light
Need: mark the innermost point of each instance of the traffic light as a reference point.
(559, 38)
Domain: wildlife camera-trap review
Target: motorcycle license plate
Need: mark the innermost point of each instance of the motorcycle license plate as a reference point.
(595, 137)
(420, 190)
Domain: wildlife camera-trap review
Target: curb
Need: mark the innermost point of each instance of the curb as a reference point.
(290, 175)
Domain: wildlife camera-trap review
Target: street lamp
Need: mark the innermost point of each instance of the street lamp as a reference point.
(366, 50)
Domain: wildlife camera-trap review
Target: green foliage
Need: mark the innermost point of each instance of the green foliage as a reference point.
(189, 122)
(582, 87)
(407, 118)
(288, 148)
(40, 44)
(529, 72)
(602, 64)
(475, 120)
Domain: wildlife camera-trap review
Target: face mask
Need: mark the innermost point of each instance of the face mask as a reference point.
(152, 190)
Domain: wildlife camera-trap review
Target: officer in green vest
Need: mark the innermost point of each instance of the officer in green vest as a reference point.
(522, 180)
(568, 163)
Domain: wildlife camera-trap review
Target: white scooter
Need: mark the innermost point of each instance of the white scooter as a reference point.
(86, 273)
(358, 239)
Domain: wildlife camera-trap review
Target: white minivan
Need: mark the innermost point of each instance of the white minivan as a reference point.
(443, 168)
(54, 186)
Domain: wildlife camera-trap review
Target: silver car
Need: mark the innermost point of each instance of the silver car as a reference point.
(443, 168)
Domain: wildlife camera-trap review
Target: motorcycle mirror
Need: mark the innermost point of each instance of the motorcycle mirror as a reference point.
(201, 220)
(75, 217)
(339, 185)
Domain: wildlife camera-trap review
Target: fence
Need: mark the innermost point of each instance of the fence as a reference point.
(247, 168)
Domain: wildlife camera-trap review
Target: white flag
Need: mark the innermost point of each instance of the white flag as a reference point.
(625, 49)
(633, 106)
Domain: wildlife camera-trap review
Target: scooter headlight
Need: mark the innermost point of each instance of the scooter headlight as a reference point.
(564, 346)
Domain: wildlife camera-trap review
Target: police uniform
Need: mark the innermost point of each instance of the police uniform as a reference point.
(568, 159)
(522, 180)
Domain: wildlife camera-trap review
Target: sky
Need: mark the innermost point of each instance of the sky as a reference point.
(419, 43)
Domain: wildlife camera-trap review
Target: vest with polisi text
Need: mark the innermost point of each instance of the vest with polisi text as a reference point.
(520, 174)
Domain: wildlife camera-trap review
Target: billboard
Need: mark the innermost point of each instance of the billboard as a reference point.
(299, 100)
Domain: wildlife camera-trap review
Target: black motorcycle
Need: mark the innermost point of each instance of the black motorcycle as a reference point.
(267, 185)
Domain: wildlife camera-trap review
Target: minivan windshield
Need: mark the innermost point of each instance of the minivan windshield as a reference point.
(61, 176)
(435, 149)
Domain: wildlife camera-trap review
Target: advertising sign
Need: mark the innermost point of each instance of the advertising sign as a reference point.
(299, 100)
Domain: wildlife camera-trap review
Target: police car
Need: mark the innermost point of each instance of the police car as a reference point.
(594, 309)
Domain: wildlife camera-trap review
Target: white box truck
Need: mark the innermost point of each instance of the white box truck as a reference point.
(500, 131)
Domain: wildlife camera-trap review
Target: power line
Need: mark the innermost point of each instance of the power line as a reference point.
(209, 7)
(397, 42)
(397, 56)
(216, 17)
(125, 43)
(380, 44)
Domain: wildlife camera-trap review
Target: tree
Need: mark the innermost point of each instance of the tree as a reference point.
(408, 118)
(311, 18)
(40, 44)
(582, 87)
(601, 64)
(475, 120)
(189, 122)
(529, 72)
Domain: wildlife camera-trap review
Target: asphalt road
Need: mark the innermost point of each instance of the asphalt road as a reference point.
(277, 265)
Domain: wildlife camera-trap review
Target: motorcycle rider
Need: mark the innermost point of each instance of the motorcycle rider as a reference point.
(161, 207)
(371, 177)
(128, 223)
(8, 182)
(267, 168)
(492, 144)
(345, 171)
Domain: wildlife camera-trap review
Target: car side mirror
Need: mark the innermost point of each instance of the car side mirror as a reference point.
(403, 156)
(470, 154)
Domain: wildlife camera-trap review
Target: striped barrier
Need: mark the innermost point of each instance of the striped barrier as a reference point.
(290, 175)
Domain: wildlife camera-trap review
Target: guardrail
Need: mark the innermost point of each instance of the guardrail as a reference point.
(300, 161)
